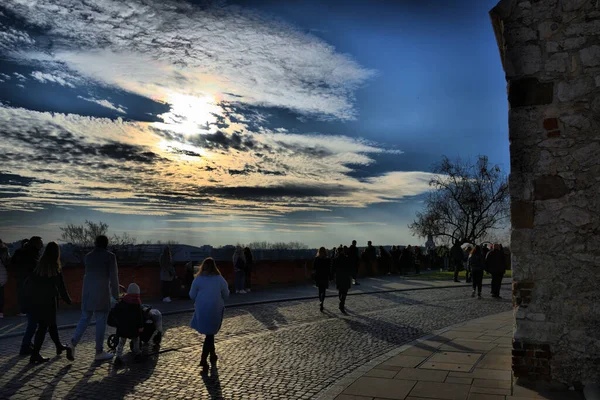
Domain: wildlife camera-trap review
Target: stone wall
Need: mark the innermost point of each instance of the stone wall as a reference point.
(550, 51)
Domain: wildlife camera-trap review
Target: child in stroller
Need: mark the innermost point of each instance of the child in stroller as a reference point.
(147, 320)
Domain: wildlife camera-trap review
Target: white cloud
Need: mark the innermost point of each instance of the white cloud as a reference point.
(103, 103)
(155, 48)
(55, 78)
(19, 76)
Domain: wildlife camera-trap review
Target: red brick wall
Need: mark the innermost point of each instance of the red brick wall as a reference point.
(531, 361)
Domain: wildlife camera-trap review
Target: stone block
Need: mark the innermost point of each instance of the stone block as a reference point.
(583, 28)
(573, 43)
(529, 92)
(412, 374)
(552, 47)
(572, 90)
(550, 124)
(549, 187)
(381, 373)
(380, 387)
(521, 214)
(547, 28)
(524, 60)
(572, 5)
(434, 390)
(559, 62)
(521, 34)
(590, 57)
(404, 361)
(576, 216)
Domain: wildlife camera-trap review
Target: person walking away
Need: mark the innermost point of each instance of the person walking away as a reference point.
(322, 274)
(25, 261)
(466, 254)
(456, 257)
(341, 268)
(46, 285)
(417, 260)
(100, 289)
(496, 266)
(354, 258)
(239, 266)
(476, 265)
(248, 272)
(484, 251)
(130, 322)
(371, 256)
(384, 261)
(209, 292)
(167, 274)
(4, 261)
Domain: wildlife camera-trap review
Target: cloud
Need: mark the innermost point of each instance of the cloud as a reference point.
(156, 48)
(103, 103)
(54, 78)
(19, 76)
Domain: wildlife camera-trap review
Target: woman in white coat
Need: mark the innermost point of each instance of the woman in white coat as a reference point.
(209, 291)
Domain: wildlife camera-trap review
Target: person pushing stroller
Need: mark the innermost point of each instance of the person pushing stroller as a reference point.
(129, 321)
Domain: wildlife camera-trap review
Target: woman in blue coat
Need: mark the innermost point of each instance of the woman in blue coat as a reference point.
(209, 291)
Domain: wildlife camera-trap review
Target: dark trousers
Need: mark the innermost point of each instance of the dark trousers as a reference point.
(417, 268)
(496, 282)
(355, 270)
(165, 288)
(208, 348)
(29, 332)
(40, 335)
(248, 282)
(456, 271)
(1, 299)
(342, 296)
(322, 291)
(477, 280)
(21, 296)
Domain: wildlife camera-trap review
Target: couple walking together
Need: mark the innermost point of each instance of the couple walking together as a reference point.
(341, 269)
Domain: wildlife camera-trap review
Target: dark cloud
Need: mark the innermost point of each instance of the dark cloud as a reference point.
(18, 180)
(275, 193)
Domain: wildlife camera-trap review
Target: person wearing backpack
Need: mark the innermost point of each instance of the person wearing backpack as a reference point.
(4, 259)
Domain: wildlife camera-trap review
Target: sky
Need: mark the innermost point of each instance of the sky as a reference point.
(223, 122)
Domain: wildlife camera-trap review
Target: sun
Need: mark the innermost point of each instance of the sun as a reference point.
(190, 114)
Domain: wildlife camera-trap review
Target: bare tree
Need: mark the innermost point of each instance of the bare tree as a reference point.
(276, 246)
(467, 202)
(83, 235)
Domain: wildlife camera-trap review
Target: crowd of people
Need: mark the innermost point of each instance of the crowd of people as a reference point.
(40, 285)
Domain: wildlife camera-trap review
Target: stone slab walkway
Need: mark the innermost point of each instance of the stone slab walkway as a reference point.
(469, 361)
(67, 317)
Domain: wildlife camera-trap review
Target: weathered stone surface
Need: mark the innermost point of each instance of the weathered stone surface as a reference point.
(576, 216)
(550, 124)
(573, 5)
(575, 121)
(525, 60)
(547, 28)
(559, 62)
(583, 28)
(573, 43)
(590, 57)
(571, 90)
(549, 187)
(529, 92)
(522, 34)
(521, 214)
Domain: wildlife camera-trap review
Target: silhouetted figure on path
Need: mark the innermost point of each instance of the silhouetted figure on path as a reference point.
(466, 255)
(100, 289)
(476, 265)
(248, 272)
(209, 292)
(25, 261)
(46, 284)
(130, 321)
(371, 257)
(384, 261)
(4, 262)
(354, 258)
(239, 267)
(496, 266)
(418, 259)
(322, 273)
(456, 258)
(406, 259)
(342, 270)
(167, 274)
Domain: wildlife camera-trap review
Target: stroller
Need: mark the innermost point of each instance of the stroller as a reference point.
(153, 329)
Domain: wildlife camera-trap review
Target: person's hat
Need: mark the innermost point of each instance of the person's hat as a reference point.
(133, 288)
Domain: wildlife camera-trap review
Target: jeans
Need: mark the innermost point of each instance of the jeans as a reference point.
(29, 332)
(477, 280)
(136, 346)
(165, 288)
(209, 346)
(86, 318)
(240, 277)
(342, 296)
(496, 283)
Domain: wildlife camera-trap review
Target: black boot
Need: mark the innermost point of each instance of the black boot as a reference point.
(213, 359)
(60, 348)
(204, 363)
(321, 307)
(37, 358)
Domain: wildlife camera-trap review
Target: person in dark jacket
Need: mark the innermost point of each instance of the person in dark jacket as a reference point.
(342, 270)
(456, 258)
(322, 273)
(496, 266)
(354, 258)
(384, 261)
(476, 265)
(130, 321)
(417, 260)
(371, 258)
(249, 264)
(46, 284)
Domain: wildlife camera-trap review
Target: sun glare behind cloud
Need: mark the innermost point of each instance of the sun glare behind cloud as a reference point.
(190, 114)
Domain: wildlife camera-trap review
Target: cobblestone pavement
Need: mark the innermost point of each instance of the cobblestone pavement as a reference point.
(272, 351)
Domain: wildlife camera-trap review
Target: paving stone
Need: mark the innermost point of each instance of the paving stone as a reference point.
(446, 366)
(379, 387)
(418, 351)
(351, 397)
(421, 375)
(404, 361)
(487, 390)
(470, 346)
(482, 396)
(455, 357)
(484, 374)
(381, 373)
(489, 383)
(492, 361)
(446, 391)
(462, 381)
